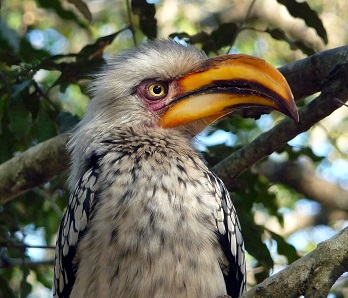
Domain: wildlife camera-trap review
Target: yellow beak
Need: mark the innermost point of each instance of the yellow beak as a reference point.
(227, 83)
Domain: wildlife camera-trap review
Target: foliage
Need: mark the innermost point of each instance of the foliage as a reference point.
(42, 94)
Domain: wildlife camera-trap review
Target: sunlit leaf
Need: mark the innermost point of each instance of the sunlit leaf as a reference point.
(95, 50)
(252, 235)
(295, 152)
(56, 6)
(83, 8)
(302, 10)
(43, 276)
(5, 289)
(284, 248)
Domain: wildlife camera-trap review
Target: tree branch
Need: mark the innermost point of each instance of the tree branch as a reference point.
(300, 175)
(42, 162)
(312, 276)
(9, 263)
(308, 76)
(37, 165)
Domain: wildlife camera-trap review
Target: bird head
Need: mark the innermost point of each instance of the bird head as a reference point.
(165, 84)
(174, 89)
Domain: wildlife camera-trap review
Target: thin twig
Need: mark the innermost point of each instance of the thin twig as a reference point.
(341, 102)
(240, 26)
(247, 16)
(9, 263)
(23, 246)
(53, 204)
(41, 93)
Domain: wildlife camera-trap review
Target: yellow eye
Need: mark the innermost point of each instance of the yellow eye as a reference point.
(157, 89)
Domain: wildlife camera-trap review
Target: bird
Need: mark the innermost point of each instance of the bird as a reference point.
(146, 216)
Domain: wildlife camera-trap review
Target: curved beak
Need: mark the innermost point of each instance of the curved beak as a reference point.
(224, 84)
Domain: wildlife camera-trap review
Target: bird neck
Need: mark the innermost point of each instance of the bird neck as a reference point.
(142, 141)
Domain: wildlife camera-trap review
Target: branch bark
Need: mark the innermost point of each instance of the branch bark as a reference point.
(308, 76)
(37, 165)
(300, 175)
(41, 163)
(312, 276)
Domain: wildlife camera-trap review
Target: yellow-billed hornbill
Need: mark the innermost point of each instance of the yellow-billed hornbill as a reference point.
(147, 218)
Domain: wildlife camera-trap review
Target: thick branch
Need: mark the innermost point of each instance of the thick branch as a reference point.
(272, 140)
(312, 276)
(309, 75)
(33, 167)
(300, 175)
(41, 163)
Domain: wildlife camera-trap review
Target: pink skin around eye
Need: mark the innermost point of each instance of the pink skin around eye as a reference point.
(154, 104)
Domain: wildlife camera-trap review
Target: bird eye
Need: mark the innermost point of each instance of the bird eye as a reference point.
(157, 90)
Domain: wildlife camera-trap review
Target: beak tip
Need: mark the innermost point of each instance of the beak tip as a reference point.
(293, 111)
(295, 116)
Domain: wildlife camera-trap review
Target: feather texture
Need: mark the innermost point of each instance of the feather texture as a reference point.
(146, 218)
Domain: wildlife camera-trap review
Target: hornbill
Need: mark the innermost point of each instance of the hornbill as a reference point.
(146, 217)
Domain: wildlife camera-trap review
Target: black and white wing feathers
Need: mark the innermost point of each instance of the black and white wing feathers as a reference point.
(72, 228)
(231, 240)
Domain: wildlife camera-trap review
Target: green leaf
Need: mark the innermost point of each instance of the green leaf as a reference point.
(25, 286)
(95, 50)
(216, 153)
(257, 189)
(284, 248)
(66, 121)
(30, 54)
(45, 125)
(252, 235)
(32, 103)
(9, 39)
(9, 221)
(224, 35)
(88, 61)
(236, 125)
(43, 276)
(199, 38)
(60, 11)
(302, 10)
(83, 8)
(20, 121)
(295, 152)
(279, 34)
(8, 142)
(147, 20)
(17, 89)
(5, 289)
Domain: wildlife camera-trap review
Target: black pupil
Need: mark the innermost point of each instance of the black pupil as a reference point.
(157, 89)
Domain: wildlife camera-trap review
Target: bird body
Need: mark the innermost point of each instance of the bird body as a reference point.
(161, 234)
(147, 218)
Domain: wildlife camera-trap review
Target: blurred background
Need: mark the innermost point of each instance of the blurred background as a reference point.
(50, 49)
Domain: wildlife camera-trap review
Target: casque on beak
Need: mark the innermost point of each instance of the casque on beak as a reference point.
(227, 83)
